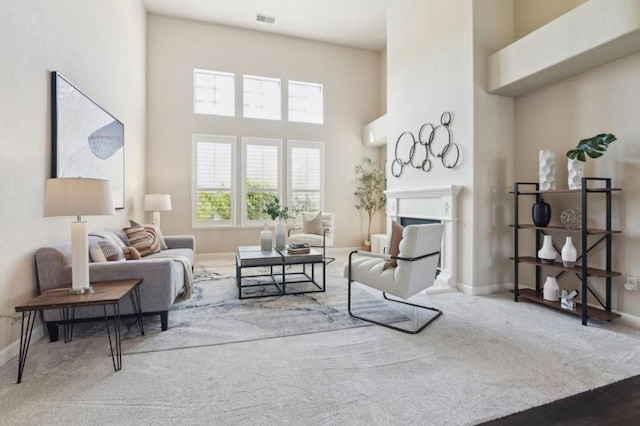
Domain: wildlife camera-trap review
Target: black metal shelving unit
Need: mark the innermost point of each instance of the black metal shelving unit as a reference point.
(590, 186)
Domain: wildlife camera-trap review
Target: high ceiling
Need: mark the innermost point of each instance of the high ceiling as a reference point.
(357, 23)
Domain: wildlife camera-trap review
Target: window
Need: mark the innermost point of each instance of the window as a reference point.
(261, 177)
(214, 93)
(305, 178)
(214, 180)
(305, 102)
(261, 97)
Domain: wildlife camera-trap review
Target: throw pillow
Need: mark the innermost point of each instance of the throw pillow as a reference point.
(145, 240)
(394, 246)
(312, 224)
(106, 251)
(152, 227)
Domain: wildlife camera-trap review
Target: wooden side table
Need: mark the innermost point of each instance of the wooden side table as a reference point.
(105, 293)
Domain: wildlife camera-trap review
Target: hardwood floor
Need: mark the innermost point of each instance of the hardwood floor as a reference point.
(615, 404)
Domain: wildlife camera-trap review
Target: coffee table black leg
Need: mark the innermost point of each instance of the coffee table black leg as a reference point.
(137, 307)
(25, 339)
(117, 357)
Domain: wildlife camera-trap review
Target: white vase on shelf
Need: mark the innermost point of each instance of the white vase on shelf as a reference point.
(281, 233)
(575, 171)
(551, 289)
(569, 254)
(547, 254)
(547, 169)
(266, 238)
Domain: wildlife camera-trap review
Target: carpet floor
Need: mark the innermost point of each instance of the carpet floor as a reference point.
(262, 361)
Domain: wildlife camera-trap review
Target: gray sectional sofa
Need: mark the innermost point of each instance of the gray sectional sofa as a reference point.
(164, 277)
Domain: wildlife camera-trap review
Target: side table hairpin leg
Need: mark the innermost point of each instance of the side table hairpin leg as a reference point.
(117, 356)
(25, 339)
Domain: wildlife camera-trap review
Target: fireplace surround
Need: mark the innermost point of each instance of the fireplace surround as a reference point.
(431, 204)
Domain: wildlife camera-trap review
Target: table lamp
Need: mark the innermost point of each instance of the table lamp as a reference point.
(78, 197)
(157, 203)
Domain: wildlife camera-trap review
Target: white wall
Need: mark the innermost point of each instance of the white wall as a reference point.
(100, 47)
(429, 71)
(351, 96)
(529, 15)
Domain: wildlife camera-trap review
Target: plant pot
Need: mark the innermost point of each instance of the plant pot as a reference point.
(366, 246)
(281, 233)
(575, 171)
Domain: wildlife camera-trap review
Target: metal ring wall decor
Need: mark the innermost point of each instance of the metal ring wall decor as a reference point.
(449, 154)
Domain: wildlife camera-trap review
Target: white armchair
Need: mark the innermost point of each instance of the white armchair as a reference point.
(316, 233)
(416, 269)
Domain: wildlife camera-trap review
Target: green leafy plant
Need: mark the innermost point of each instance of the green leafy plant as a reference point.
(593, 147)
(370, 192)
(275, 210)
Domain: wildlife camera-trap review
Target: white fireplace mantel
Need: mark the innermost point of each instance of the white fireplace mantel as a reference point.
(435, 204)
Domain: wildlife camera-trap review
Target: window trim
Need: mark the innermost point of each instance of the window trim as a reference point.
(251, 140)
(293, 143)
(231, 140)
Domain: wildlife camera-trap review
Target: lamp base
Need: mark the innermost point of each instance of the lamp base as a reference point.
(81, 290)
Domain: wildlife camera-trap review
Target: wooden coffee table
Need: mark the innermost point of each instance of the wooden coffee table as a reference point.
(280, 282)
(105, 293)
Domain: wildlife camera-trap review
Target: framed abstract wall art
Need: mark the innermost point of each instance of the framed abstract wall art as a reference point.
(87, 141)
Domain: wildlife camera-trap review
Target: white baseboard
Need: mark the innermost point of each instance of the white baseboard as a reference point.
(485, 290)
(13, 349)
(630, 320)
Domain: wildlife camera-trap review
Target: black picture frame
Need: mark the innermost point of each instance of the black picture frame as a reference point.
(86, 141)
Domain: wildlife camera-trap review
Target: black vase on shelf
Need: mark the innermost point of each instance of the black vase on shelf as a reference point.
(541, 213)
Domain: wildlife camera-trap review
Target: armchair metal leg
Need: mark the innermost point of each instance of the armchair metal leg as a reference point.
(393, 327)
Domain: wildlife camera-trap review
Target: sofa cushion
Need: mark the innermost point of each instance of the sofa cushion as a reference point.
(154, 228)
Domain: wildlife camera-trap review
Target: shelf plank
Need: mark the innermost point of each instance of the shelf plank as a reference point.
(592, 312)
(590, 231)
(591, 272)
(567, 191)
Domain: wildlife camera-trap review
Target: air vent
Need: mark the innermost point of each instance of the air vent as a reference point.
(264, 18)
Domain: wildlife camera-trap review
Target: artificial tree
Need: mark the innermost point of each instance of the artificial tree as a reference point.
(370, 191)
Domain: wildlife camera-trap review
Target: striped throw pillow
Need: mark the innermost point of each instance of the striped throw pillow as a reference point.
(145, 240)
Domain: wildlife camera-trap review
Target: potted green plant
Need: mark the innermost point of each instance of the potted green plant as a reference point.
(279, 214)
(370, 192)
(593, 147)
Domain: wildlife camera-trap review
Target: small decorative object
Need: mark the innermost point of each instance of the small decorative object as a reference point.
(575, 171)
(281, 233)
(551, 290)
(571, 219)
(566, 299)
(547, 169)
(569, 254)
(265, 238)
(541, 213)
(547, 254)
(593, 147)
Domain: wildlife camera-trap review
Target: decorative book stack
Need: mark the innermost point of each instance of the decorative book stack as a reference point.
(301, 248)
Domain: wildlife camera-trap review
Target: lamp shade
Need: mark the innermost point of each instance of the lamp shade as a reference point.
(157, 202)
(77, 197)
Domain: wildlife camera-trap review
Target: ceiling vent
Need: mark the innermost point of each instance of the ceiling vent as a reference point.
(264, 18)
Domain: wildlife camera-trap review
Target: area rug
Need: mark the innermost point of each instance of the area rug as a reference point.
(215, 314)
(484, 358)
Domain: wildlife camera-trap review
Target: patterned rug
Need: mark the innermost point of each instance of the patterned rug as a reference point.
(214, 314)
